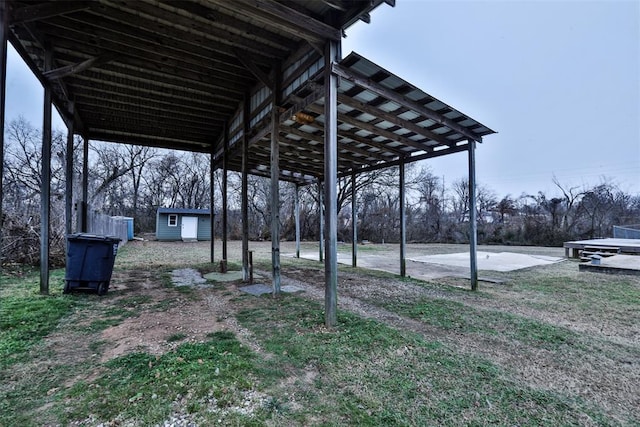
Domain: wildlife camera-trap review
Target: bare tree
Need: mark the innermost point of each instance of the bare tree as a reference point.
(571, 196)
(21, 193)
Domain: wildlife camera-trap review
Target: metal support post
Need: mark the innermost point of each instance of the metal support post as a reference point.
(68, 194)
(245, 189)
(403, 225)
(296, 213)
(212, 205)
(225, 207)
(4, 29)
(84, 205)
(321, 222)
(275, 185)
(45, 185)
(354, 222)
(332, 49)
(473, 226)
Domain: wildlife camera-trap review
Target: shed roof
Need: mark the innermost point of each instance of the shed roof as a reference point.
(183, 211)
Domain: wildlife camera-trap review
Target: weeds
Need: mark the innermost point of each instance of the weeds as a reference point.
(370, 374)
(144, 388)
(26, 317)
(176, 337)
(362, 372)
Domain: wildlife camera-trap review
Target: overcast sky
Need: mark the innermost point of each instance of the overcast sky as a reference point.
(558, 80)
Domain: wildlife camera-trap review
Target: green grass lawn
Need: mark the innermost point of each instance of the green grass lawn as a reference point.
(281, 366)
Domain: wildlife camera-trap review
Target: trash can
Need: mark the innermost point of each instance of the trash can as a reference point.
(90, 261)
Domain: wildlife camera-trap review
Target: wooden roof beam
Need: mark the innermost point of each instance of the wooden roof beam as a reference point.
(77, 33)
(202, 12)
(112, 135)
(301, 103)
(169, 23)
(133, 106)
(378, 89)
(42, 11)
(69, 70)
(295, 18)
(282, 23)
(246, 60)
(105, 90)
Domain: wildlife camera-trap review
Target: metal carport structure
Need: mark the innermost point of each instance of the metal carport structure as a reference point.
(258, 84)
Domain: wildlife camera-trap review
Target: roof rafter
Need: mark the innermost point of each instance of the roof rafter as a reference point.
(390, 117)
(247, 61)
(408, 159)
(189, 29)
(377, 88)
(69, 70)
(345, 118)
(42, 11)
(295, 18)
(319, 137)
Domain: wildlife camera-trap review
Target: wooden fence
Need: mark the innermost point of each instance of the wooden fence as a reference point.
(101, 224)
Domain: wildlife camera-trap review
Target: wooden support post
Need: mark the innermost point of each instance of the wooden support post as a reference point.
(403, 226)
(354, 222)
(245, 189)
(212, 205)
(275, 186)
(296, 213)
(331, 55)
(45, 185)
(68, 194)
(225, 207)
(250, 266)
(4, 29)
(84, 204)
(321, 222)
(473, 226)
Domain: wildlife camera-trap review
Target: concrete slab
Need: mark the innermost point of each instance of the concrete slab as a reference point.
(258, 289)
(365, 260)
(617, 264)
(431, 267)
(500, 261)
(187, 277)
(230, 276)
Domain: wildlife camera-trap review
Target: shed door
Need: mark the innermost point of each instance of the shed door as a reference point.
(189, 227)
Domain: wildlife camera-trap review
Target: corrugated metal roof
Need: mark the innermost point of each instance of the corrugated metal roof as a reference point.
(381, 119)
(176, 74)
(162, 72)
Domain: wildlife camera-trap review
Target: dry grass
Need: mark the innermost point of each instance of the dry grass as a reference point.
(549, 346)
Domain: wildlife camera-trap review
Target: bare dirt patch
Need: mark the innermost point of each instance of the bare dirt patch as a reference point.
(175, 318)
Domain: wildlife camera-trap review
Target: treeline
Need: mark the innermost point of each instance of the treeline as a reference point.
(134, 181)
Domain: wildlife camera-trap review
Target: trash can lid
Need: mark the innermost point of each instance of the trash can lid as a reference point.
(95, 237)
